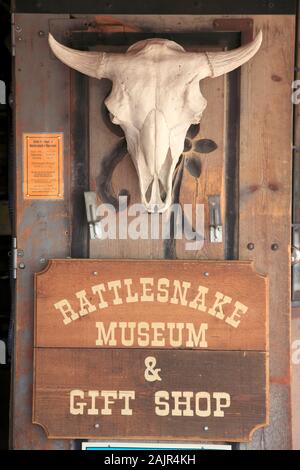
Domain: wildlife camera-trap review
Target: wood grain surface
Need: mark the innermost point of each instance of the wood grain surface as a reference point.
(151, 300)
(241, 376)
(265, 202)
(46, 230)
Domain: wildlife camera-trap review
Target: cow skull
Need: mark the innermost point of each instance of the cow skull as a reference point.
(155, 98)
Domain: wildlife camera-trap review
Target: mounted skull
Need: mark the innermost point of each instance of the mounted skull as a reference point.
(155, 98)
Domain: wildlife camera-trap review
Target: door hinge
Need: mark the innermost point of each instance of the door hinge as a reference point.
(13, 36)
(14, 257)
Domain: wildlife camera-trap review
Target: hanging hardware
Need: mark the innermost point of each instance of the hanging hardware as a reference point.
(91, 211)
(215, 223)
(295, 258)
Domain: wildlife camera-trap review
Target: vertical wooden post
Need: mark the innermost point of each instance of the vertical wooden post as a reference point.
(265, 202)
(42, 226)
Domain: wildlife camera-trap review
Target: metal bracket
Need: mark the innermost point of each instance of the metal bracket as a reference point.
(295, 257)
(215, 223)
(2, 352)
(13, 36)
(13, 256)
(243, 25)
(91, 214)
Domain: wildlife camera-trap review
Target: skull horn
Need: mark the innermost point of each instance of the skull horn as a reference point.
(224, 62)
(86, 62)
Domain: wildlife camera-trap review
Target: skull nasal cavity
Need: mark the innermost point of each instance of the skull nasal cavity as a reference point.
(162, 191)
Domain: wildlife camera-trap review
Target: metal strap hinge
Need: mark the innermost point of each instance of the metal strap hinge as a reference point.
(13, 36)
(13, 256)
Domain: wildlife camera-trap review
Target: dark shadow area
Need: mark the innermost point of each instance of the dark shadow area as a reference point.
(5, 227)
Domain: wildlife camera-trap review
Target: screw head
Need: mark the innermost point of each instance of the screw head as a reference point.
(250, 246)
(41, 33)
(18, 28)
(205, 428)
(97, 425)
(22, 265)
(274, 246)
(42, 260)
(95, 273)
(206, 274)
(20, 253)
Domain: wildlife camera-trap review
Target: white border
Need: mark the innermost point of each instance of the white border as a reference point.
(152, 445)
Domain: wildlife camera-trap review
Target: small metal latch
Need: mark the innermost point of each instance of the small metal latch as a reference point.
(215, 223)
(91, 213)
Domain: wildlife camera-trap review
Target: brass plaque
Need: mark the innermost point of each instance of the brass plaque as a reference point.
(43, 166)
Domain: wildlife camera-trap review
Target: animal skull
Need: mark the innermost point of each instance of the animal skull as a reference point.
(155, 98)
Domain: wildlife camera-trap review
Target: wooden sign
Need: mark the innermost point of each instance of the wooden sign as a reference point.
(163, 350)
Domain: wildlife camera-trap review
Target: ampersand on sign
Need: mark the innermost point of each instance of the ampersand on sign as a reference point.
(151, 374)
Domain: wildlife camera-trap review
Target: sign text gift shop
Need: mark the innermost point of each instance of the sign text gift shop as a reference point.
(169, 350)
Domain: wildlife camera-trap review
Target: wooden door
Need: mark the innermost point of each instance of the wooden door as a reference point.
(241, 153)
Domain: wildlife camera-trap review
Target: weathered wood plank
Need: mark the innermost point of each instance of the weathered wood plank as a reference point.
(265, 199)
(211, 181)
(41, 227)
(212, 297)
(239, 377)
